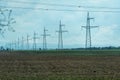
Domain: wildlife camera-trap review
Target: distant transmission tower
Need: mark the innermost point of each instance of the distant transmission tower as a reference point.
(10, 46)
(88, 27)
(44, 39)
(12, 43)
(18, 43)
(22, 43)
(28, 42)
(15, 44)
(60, 36)
(34, 41)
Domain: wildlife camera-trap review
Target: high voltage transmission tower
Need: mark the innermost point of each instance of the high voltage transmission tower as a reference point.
(22, 43)
(44, 39)
(15, 45)
(88, 27)
(60, 35)
(28, 46)
(34, 41)
(10, 46)
(18, 43)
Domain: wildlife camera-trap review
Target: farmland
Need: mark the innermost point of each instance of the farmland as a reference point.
(60, 65)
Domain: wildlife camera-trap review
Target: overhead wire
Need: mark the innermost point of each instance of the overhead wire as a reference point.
(114, 10)
(61, 5)
(48, 4)
(64, 10)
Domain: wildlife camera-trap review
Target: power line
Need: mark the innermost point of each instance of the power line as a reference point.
(64, 10)
(95, 7)
(48, 4)
(61, 5)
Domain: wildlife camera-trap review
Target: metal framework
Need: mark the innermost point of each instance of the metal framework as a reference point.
(60, 35)
(18, 43)
(22, 43)
(88, 43)
(28, 42)
(45, 38)
(34, 41)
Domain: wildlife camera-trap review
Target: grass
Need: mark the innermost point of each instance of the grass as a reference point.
(71, 52)
(60, 65)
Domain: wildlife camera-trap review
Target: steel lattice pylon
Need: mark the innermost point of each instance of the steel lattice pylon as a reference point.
(88, 43)
(60, 36)
(44, 38)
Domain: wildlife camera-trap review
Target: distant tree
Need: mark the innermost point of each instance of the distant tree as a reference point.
(6, 21)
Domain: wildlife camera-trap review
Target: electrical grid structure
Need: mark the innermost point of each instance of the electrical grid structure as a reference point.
(35, 40)
(15, 44)
(69, 7)
(80, 7)
(18, 44)
(7, 20)
(45, 38)
(9, 46)
(60, 35)
(28, 44)
(88, 27)
(22, 43)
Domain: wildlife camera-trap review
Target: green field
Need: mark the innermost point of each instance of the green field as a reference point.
(60, 65)
(69, 52)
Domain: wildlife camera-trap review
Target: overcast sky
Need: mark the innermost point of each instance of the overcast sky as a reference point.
(29, 21)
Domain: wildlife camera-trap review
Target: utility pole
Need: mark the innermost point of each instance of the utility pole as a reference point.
(44, 39)
(60, 35)
(88, 27)
(28, 42)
